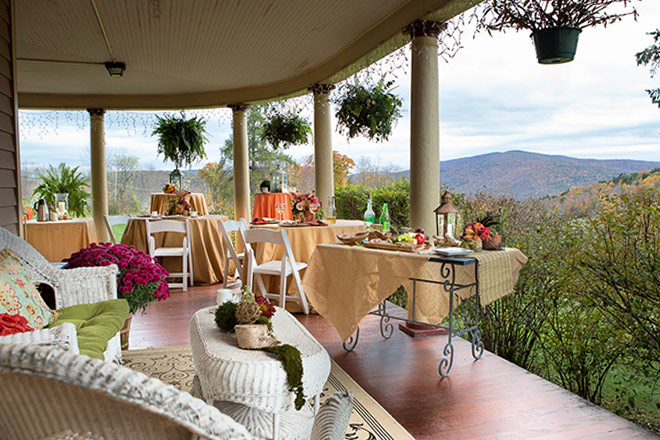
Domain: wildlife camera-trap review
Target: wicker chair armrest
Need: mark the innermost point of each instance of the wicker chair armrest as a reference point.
(84, 285)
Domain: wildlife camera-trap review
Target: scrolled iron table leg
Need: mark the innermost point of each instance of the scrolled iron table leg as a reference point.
(446, 363)
(477, 345)
(352, 341)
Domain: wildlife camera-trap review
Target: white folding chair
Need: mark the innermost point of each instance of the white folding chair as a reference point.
(184, 251)
(230, 251)
(284, 267)
(111, 220)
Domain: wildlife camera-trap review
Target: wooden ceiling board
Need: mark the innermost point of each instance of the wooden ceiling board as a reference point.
(197, 53)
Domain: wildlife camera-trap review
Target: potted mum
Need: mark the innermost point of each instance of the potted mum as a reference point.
(140, 279)
(555, 24)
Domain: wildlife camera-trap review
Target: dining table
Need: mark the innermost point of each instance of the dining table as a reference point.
(264, 205)
(57, 240)
(159, 202)
(303, 240)
(207, 247)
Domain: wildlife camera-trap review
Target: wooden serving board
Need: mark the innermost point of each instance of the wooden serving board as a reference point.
(389, 247)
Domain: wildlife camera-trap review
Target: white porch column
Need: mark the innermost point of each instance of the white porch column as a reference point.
(323, 159)
(99, 175)
(241, 163)
(424, 125)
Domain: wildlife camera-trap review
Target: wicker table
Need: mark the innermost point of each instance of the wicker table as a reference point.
(250, 385)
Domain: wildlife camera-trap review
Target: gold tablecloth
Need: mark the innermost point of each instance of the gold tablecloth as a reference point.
(196, 200)
(205, 239)
(344, 283)
(58, 240)
(303, 241)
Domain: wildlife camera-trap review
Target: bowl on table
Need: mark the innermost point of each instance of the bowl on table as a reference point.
(358, 237)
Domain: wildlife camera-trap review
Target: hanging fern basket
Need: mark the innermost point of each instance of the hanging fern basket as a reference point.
(556, 45)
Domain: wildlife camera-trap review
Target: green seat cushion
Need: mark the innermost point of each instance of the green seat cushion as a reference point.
(95, 323)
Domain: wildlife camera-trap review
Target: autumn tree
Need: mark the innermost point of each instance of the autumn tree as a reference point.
(302, 174)
(122, 173)
(651, 57)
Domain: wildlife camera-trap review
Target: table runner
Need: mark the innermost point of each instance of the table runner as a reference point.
(344, 283)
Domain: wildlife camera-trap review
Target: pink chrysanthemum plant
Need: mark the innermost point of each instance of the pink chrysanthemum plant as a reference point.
(140, 280)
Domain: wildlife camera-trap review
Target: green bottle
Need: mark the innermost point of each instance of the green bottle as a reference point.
(385, 218)
(369, 214)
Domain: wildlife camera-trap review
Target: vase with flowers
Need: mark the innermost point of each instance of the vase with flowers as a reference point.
(179, 205)
(140, 279)
(305, 207)
(169, 188)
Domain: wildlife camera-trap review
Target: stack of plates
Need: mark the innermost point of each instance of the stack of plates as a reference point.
(452, 251)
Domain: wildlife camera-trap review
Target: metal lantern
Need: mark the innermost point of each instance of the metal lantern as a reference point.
(279, 180)
(445, 213)
(175, 178)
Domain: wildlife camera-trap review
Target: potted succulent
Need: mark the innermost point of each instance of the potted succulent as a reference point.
(180, 140)
(368, 111)
(555, 24)
(140, 279)
(286, 129)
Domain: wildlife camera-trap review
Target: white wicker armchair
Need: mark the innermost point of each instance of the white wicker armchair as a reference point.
(55, 394)
(84, 285)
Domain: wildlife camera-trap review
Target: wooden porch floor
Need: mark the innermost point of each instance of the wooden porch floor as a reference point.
(487, 399)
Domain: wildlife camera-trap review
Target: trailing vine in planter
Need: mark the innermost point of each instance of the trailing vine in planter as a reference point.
(286, 129)
(369, 112)
(555, 24)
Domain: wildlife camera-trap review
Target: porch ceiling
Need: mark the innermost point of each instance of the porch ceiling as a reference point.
(202, 53)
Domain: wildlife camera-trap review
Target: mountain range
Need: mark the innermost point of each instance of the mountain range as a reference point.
(522, 174)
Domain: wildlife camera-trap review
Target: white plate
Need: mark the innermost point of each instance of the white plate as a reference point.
(452, 251)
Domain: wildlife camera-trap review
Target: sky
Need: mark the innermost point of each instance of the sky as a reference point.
(494, 97)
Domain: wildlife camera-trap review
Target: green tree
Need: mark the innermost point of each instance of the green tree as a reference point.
(62, 179)
(651, 57)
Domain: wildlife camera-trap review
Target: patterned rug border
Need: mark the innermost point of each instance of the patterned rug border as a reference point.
(366, 406)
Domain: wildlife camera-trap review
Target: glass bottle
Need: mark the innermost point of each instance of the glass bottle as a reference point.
(369, 214)
(331, 215)
(385, 218)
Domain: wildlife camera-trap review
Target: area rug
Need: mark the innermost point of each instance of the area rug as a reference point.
(369, 420)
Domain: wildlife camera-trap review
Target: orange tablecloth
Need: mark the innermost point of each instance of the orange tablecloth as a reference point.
(58, 240)
(264, 205)
(196, 200)
(303, 242)
(205, 239)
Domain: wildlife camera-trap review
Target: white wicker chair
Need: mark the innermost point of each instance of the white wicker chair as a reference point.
(83, 285)
(55, 394)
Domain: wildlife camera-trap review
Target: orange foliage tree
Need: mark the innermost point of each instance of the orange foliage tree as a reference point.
(301, 175)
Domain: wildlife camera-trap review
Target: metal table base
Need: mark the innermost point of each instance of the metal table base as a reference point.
(468, 316)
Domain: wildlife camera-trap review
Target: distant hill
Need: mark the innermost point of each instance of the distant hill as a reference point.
(584, 200)
(521, 174)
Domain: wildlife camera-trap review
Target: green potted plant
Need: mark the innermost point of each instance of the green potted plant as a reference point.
(62, 179)
(370, 112)
(286, 129)
(555, 24)
(180, 140)
(265, 186)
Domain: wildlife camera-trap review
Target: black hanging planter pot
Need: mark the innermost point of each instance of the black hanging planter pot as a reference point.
(556, 45)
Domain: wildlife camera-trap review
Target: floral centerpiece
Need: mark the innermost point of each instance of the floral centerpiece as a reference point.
(140, 279)
(178, 206)
(169, 188)
(305, 206)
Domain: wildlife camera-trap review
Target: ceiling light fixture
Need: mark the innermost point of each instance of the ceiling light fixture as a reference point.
(115, 69)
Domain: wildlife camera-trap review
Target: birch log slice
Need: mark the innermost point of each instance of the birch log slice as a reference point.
(254, 336)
